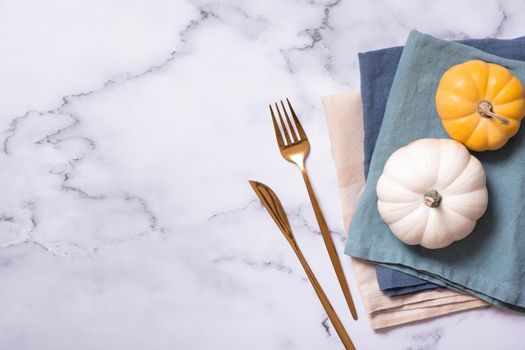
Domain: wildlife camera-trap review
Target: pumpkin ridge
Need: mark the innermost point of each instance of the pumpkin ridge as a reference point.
(499, 131)
(459, 193)
(439, 163)
(471, 75)
(510, 101)
(452, 92)
(512, 77)
(471, 159)
(426, 230)
(399, 184)
(459, 235)
(486, 80)
(407, 209)
(501, 105)
(451, 126)
(494, 71)
(452, 179)
(471, 115)
(400, 181)
(476, 165)
(481, 191)
(413, 230)
(461, 214)
(472, 132)
(413, 156)
(487, 136)
(393, 222)
(397, 202)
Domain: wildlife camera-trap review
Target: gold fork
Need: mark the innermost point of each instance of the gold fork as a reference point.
(272, 204)
(295, 150)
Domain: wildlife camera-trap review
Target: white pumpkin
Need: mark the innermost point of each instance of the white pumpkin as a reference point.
(432, 192)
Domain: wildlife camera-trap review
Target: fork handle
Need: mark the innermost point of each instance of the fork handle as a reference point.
(330, 246)
(332, 315)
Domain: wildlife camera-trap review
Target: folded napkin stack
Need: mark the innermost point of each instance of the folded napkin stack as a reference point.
(361, 147)
(378, 69)
(490, 263)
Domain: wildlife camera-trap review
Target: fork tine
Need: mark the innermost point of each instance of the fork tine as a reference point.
(278, 135)
(283, 126)
(297, 122)
(290, 126)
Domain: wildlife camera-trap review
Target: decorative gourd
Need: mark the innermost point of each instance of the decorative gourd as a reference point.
(480, 104)
(432, 192)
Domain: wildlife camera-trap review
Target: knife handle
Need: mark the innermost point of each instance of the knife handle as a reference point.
(332, 315)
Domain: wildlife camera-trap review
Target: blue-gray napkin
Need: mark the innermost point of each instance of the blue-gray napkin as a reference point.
(490, 262)
(377, 69)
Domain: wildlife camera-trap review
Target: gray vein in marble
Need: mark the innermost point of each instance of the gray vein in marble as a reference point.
(31, 207)
(5, 218)
(55, 140)
(67, 187)
(252, 204)
(49, 247)
(326, 327)
(194, 23)
(152, 218)
(252, 26)
(426, 340)
(257, 265)
(298, 214)
(315, 35)
(503, 21)
(11, 130)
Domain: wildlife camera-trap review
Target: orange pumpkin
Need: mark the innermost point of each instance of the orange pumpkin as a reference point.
(480, 104)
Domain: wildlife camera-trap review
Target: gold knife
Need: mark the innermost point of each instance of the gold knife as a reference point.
(276, 210)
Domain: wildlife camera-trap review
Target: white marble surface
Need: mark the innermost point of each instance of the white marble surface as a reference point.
(130, 129)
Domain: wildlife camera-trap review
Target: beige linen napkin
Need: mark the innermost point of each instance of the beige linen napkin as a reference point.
(344, 116)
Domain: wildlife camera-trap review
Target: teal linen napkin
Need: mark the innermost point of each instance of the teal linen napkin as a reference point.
(490, 263)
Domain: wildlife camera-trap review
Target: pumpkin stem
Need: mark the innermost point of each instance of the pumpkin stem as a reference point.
(432, 198)
(485, 110)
